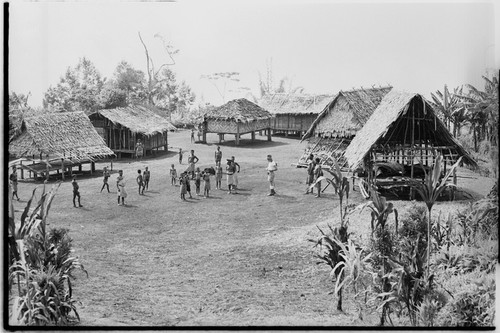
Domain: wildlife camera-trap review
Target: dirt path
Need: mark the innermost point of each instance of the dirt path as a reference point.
(240, 259)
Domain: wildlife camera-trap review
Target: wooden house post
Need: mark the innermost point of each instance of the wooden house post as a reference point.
(269, 131)
(253, 136)
(205, 128)
(22, 170)
(62, 168)
(237, 133)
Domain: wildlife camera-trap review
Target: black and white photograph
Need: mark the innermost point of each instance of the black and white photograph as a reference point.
(257, 164)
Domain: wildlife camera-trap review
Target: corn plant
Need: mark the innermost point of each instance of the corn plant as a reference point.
(380, 210)
(430, 190)
(329, 252)
(42, 263)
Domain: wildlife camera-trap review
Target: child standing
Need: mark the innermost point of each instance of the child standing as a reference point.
(218, 176)
(147, 175)
(206, 180)
(105, 176)
(140, 182)
(197, 180)
(173, 175)
(76, 192)
(182, 183)
(187, 180)
(13, 182)
(180, 155)
(120, 185)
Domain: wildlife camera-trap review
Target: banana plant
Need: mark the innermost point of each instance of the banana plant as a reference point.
(430, 190)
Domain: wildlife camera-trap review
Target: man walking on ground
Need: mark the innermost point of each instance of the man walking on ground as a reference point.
(272, 167)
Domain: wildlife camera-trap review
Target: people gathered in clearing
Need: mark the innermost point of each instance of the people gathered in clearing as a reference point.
(218, 156)
(139, 150)
(206, 182)
(197, 180)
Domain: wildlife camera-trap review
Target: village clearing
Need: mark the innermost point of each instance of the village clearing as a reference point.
(241, 259)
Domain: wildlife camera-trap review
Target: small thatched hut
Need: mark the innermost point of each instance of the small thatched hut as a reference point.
(121, 128)
(403, 132)
(333, 129)
(239, 116)
(56, 141)
(293, 113)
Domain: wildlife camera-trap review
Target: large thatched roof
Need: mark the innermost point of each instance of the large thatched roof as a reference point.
(238, 110)
(347, 112)
(138, 119)
(391, 124)
(58, 135)
(294, 104)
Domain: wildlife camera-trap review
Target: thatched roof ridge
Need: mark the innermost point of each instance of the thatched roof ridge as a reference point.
(394, 105)
(295, 104)
(138, 119)
(360, 104)
(238, 110)
(57, 135)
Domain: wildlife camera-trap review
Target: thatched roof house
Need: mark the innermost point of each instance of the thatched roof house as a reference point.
(403, 133)
(346, 113)
(236, 117)
(122, 127)
(339, 121)
(59, 135)
(294, 112)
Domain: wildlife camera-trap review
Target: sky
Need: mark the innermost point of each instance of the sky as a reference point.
(322, 46)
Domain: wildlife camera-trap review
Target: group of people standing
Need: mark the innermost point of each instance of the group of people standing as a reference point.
(194, 173)
(314, 172)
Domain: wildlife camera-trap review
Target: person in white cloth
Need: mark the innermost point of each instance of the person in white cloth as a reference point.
(272, 167)
(120, 184)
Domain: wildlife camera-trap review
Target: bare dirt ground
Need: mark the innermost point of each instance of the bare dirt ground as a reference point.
(241, 259)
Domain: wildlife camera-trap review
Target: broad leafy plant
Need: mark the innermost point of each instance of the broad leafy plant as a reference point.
(430, 190)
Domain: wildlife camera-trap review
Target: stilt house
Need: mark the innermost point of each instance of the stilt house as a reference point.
(56, 142)
(402, 135)
(293, 113)
(121, 128)
(339, 121)
(237, 117)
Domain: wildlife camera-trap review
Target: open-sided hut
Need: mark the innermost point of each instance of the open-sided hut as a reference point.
(57, 141)
(293, 113)
(121, 128)
(402, 133)
(339, 121)
(237, 117)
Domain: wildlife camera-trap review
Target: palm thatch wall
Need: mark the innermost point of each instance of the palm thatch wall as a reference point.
(404, 129)
(59, 135)
(293, 112)
(236, 117)
(346, 113)
(121, 128)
